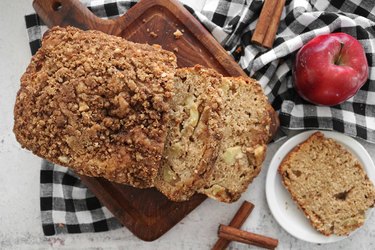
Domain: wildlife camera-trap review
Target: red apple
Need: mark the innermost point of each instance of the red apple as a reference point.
(330, 69)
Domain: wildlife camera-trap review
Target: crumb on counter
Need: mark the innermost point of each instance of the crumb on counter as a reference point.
(178, 34)
(175, 49)
(153, 34)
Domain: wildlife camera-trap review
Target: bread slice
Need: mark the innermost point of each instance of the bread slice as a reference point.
(193, 133)
(329, 185)
(246, 131)
(98, 104)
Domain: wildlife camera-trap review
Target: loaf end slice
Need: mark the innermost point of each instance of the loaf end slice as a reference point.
(246, 129)
(97, 104)
(329, 185)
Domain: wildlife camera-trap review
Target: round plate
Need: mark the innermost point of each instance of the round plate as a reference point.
(283, 208)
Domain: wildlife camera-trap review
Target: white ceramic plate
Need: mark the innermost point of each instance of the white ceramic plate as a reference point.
(279, 200)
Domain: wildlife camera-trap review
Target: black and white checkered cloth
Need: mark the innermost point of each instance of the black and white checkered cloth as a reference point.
(67, 206)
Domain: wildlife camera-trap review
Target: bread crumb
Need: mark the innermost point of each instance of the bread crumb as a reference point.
(153, 34)
(175, 49)
(143, 20)
(177, 34)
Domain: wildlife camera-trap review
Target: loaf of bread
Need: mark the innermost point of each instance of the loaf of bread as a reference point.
(245, 133)
(98, 104)
(329, 185)
(193, 133)
(107, 107)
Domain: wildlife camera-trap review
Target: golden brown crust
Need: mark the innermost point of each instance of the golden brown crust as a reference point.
(275, 122)
(96, 103)
(343, 182)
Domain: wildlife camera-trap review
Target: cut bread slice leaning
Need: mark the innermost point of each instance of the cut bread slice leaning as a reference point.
(193, 135)
(247, 127)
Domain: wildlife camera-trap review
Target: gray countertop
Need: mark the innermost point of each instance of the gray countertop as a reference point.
(19, 182)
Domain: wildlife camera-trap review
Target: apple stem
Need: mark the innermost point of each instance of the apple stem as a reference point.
(338, 60)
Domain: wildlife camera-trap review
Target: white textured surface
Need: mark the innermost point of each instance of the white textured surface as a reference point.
(20, 226)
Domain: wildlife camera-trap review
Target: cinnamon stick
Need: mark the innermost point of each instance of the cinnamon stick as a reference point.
(239, 218)
(234, 234)
(274, 25)
(264, 20)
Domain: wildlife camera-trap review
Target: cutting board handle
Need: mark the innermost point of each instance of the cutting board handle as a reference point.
(72, 12)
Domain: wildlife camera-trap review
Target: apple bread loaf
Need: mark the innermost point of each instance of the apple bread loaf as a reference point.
(193, 133)
(98, 104)
(329, 185)
(107, 107)
(246, 131)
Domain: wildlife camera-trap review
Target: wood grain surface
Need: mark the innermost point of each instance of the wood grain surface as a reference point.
(145, 212)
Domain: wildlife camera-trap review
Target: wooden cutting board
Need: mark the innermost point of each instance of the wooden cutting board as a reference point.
(145, 212)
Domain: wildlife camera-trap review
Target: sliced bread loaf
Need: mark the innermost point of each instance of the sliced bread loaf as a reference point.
(246, 130)
(96, 103)
(329, 185)
(107, 107)
(193, 133)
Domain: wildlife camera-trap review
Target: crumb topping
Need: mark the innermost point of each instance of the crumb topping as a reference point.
(96, 103)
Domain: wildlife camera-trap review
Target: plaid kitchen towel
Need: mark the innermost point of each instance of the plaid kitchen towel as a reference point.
(67, 206)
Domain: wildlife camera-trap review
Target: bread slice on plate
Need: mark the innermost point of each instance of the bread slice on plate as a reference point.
(193, 133)
(329, 185)
(246, 130)
(97, 103)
